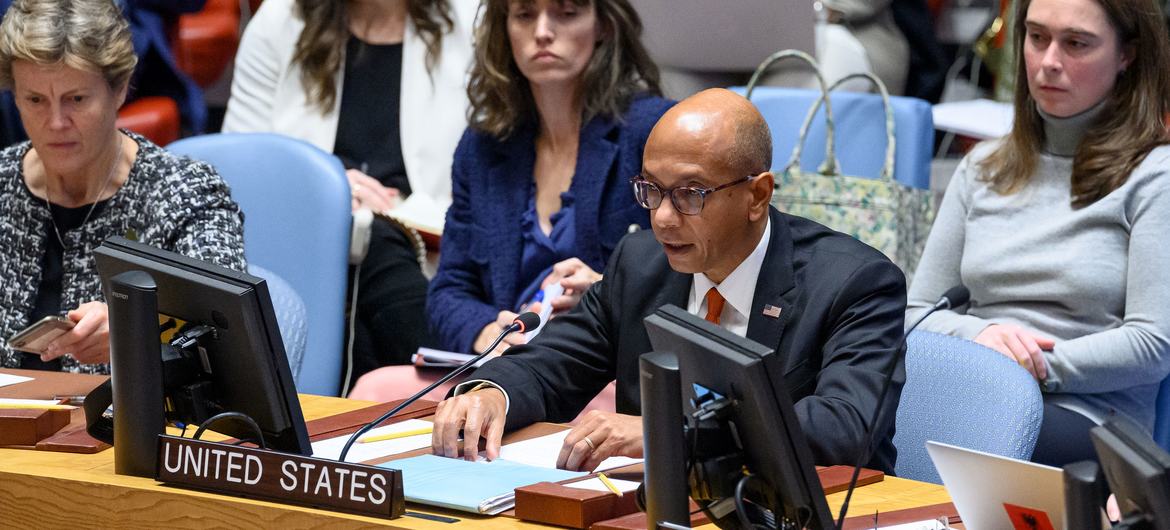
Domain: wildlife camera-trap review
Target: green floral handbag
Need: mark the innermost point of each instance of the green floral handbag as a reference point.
(883, 213)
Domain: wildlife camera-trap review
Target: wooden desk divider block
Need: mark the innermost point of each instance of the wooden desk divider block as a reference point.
(833, 479)
(29, 426)
(551, 503)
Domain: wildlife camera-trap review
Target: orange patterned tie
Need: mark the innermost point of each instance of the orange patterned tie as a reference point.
(714, 306)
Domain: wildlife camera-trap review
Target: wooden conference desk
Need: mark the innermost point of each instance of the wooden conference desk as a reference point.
(41, 489)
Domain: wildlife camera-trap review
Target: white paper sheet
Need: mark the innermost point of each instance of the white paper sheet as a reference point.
(361, 452)
(443, 359)
(9, 379)
(595, 484)
(977, 118)
(28, 402)
(543, 452)
(421, 213)
(920, 525)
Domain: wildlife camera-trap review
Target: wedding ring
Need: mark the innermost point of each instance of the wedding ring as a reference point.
(589, 442)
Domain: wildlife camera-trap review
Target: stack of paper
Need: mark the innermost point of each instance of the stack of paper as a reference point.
(443, 359)
(479, 487)
(420, 213)
(543, 451)
(488, 487)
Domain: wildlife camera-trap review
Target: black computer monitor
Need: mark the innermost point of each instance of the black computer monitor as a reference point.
(739, 422)
(239, 363)
(1138, 472)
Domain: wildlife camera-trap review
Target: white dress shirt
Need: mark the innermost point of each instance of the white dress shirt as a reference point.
(738, 289)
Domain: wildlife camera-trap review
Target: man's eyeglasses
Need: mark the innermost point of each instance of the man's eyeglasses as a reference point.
(688, 200)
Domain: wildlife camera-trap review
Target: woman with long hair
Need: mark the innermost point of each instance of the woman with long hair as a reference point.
(381, 84)
(1058, 229)
(563, 96)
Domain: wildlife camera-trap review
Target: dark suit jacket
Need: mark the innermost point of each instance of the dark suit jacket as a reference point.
(842, 306)
(491, 181)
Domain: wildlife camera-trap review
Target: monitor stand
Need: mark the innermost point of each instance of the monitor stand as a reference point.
(136, 373)
(665, 451)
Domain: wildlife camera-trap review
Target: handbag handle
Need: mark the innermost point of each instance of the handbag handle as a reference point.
(830, 165)
(887, 173)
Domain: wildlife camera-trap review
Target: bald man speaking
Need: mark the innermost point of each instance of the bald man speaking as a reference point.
(720, 251)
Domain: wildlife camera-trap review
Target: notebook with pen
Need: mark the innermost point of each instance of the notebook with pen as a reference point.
(489, 487)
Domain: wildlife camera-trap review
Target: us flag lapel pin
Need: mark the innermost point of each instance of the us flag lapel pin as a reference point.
(771, 311)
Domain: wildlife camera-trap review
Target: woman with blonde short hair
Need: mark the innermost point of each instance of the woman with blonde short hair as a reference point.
(80, 180)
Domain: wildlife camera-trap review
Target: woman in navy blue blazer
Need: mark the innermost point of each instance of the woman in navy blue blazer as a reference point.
(563, 96)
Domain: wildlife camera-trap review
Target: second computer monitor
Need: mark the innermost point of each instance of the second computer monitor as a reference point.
(714, 363)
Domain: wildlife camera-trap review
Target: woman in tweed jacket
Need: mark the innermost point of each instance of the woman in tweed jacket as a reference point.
(80, 180)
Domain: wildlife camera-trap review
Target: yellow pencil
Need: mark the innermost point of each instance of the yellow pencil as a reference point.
(35, 406)
(396, 435)
(612, 487)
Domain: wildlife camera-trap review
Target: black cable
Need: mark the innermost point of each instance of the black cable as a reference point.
(741, 506)
(232, 416)
(517, 325)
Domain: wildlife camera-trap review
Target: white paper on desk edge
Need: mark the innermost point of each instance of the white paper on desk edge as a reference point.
(9, 379)
(29, 402)
(929, 524)
(361, 452)
(595, 484)
(542, 451)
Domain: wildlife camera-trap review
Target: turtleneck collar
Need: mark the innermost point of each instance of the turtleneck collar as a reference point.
(1063, 135)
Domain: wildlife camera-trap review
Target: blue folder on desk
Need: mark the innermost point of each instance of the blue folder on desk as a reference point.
(478, 487)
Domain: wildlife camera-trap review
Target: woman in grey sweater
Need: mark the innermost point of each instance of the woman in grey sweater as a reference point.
(1059, 229)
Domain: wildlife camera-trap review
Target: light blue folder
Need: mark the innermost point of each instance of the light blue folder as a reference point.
(477, 487)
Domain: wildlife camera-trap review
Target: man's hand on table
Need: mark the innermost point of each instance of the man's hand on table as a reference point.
(478, 414)
(600, 435)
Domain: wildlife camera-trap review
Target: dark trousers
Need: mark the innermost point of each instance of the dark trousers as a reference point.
(1064, 438)
(391, 322)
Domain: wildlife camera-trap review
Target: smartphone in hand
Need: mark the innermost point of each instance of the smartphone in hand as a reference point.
(35, 338)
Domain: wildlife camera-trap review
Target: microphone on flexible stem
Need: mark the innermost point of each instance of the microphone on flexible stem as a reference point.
(522, 323)
(954, 297)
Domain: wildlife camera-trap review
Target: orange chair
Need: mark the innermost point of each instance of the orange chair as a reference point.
(155, 117)
(206, 41)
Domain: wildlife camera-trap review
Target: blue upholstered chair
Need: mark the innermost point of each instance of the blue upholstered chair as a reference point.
(296, 205)
(1162, 418)
(961, 393)
(291, 316)
(861, 131)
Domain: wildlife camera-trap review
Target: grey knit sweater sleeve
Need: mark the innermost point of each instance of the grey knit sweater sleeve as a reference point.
(1137, 352)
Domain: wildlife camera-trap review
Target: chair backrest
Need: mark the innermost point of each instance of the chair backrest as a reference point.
(961, 393)
(291, 316)
(1162, 416)
(861, 131)
(296, 204)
